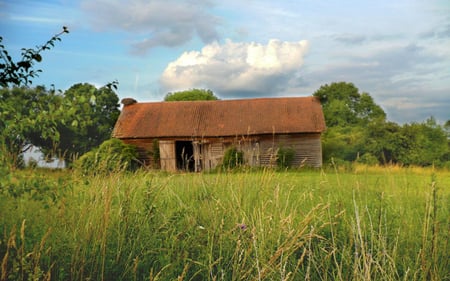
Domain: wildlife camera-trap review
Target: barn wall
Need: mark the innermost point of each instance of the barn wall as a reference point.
(145, 151)
(262, 150)
(258, 150)
(212, 153)
(308, 149)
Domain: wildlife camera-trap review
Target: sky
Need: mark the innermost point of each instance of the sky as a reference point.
(397, 51)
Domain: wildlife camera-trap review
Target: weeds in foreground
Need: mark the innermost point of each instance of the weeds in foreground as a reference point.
(262, 225)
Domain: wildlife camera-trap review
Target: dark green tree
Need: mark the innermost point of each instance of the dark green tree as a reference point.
(70, 124)
(347, 114)
(191, 95)
(26, 114)
(345, 143)
(428, 143)
(420, 144)
(90, 116)
(385, 141)
(447, 128)
(63, 125)
(358, 129)
(343, 105)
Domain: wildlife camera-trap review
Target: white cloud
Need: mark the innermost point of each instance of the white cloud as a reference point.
(235, 68)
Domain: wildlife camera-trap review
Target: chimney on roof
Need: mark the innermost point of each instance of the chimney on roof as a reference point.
(128, 101)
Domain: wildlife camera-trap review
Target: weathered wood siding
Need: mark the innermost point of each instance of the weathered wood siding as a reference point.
(167, 155)
(258, 150)
(212, 154)
(145, 151)
(308, 149)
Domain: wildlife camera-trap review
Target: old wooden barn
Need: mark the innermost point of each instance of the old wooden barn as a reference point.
(194, 135)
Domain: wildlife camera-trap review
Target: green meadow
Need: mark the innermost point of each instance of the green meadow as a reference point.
(387, 223)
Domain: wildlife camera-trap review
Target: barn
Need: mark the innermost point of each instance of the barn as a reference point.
(194, 135)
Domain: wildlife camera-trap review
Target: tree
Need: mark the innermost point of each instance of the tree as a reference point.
(385, 141)
(22, 110)
(89, 118)
(344, 143)
(21, 72)
(347, 115)
(24, 114)
(72, 123)
(420, 144)
(191, 95)
(447, 128)
(428, 143)
(343, 105)
(357, 127)
(63, 125)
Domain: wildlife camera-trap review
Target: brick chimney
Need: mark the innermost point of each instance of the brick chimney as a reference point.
(128, 101)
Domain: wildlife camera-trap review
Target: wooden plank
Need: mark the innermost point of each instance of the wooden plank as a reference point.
(308, 149)
(167, 155)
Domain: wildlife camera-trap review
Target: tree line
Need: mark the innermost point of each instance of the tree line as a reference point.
(71, 123)
(358, 130)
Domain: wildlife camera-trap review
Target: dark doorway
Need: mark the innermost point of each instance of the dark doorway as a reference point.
(185, 155)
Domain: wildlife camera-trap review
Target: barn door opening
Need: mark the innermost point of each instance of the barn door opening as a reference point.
(185, 155)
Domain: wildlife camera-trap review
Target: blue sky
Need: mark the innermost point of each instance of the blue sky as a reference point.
(397, 51)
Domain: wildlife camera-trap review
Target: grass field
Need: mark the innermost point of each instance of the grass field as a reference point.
(368, 224)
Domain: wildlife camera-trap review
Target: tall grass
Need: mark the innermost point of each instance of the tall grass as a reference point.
(369, 224)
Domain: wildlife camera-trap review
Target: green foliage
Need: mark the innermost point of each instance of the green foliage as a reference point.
(64, 125)
(89, 118)
(420, 144)
(343, 142)
(285, 157)
(357, 126)
(368, 159)
(20, 73)
(156, 151)
(447, 128)
(26, 115)
(343, 105)
(191, 95)
(232, 158)
(67, 125)
(111, 156)
(427, 142)
(386, 142)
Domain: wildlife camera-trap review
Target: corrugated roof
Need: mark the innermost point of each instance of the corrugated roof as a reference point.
(220, 118)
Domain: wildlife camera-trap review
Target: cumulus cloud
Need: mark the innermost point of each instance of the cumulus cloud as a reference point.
(234, 69)
(158, 23)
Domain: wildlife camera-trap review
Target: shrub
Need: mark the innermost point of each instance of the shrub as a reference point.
(156, 153)
(232, 158)
(112, 155)
(339, 164)
(368, 159)
(285, 157)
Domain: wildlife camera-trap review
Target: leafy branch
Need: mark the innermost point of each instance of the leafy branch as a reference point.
(20, 73)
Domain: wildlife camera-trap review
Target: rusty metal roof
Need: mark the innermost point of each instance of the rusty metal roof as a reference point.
(220, 118)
